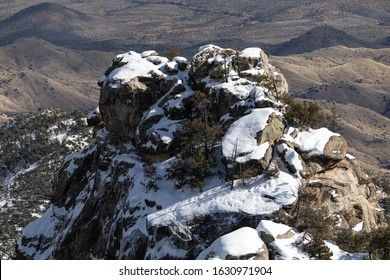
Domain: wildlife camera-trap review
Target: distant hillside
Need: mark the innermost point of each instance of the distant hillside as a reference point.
(51, 22)
(346, 75)
(36, 74)
(323, 36)
(159, 23)
(356, 83)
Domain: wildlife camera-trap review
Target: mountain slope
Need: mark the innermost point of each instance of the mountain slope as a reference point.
(319, 37)
(344, 75)
(187, 23)
(36, 74)
(48, 21)
(32, 146)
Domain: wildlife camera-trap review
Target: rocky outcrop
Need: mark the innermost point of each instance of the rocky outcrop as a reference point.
(94, 118)
(280, 240)
(248, 143)
(348, 195)
(321, 144)
(118, 199)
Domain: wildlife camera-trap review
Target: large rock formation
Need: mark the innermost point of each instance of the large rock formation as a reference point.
(118, 199)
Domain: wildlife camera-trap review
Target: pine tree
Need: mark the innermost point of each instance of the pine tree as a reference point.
(318, 250)
(379, 246)
(194, 144)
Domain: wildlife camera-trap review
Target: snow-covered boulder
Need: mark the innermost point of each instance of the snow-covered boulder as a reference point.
(252, 64)
(241, 244)
(294, 161)
(321, 143)
(248, 143)
(130, 86)
(210, 61)
(250, 58)
(94, 118)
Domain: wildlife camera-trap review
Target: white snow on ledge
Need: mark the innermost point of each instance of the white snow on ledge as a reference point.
(358, 227)
(260, 196)
(136, 65)
(251, 53)
(350, 157)
(284, 246)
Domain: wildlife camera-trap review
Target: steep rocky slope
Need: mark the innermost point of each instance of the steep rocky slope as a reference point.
(32, 147)
(194, 154)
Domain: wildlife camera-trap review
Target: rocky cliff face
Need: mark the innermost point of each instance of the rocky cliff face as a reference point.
(115, 199)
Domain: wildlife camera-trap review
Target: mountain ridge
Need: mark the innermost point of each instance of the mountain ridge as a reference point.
(225, 159)
(54, 23)
(249, 22)
(322, 36)
(140, 25)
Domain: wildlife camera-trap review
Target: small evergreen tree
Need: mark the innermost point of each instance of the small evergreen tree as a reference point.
(351, 241)
(194, 144)
(318, 250)
(302, 114)
(379, 246)
(314, 221)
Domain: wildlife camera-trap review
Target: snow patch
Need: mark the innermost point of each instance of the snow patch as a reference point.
(358, 227)
(314, 140)
(339, 254)
(260, 196)
(285, 247)
(251, 53)
(350, 157)
(240, 242)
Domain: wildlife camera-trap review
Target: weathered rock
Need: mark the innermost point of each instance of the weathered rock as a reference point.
(171, 68)
(280, 85)
(321, 145)
(210, 61)
(122, 108)
(248, 144)
(94, 118)
(293, 160)
(336, 148)
(182, 63)
(347, 197)
(279, 239)
(272, 131)
(272, 170)
(251, 58)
